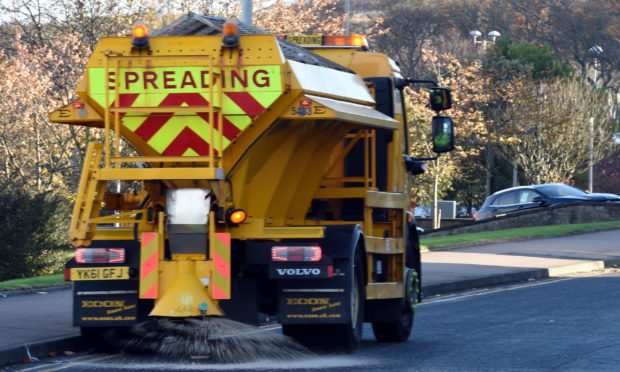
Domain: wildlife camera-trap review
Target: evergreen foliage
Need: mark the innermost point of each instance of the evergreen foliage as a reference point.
(536, 62)
(33, 234)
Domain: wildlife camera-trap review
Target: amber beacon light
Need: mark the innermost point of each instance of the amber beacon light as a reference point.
(140, 36)
(230, 35)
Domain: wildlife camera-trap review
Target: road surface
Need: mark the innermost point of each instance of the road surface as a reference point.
(564, 324)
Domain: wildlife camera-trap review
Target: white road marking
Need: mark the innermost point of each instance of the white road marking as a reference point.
(482, 292)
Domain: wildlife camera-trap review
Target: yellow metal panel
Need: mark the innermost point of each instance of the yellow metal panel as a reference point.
(342, 57)
(257, 50)
(189, 257)
(384, 245)
(376, 291)
(310, 153)
(160, 174)
(86, 116)
(327, 108)
(114, 234)
(394, 200)
(257, 231)
(363, 63)
(163, 159)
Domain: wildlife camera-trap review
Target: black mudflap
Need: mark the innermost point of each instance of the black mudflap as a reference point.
(314, 307)
(317, 301)
(107, 301)
(105, 310)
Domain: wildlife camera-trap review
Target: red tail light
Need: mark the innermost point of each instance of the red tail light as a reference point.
(67, 275)
(100, 255)
(475, 216)
(298, 253)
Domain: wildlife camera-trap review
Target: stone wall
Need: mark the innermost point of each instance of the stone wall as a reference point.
(427, 223)
(557, 215)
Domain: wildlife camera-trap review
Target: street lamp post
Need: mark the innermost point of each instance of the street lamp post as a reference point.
(246, 12)
(491, 36)
(478, 40)
(595, 50)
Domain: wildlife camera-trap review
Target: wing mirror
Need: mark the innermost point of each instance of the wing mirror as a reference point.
(440, 98)
(442, 134)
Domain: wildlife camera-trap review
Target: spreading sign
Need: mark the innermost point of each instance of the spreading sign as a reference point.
(245, 93)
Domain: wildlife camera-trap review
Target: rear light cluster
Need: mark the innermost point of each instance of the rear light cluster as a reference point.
(100, 255)
(297, 253)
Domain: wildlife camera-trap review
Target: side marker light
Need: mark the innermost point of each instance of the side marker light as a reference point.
(236, 216)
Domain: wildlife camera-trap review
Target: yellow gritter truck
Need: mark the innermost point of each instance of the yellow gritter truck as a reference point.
(263, 178)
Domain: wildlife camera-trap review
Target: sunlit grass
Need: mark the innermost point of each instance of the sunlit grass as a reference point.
(518, 233)
(37, 281)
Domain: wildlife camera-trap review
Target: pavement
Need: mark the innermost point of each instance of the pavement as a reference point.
(38, 323)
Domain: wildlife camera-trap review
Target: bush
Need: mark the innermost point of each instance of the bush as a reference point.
(33, 232)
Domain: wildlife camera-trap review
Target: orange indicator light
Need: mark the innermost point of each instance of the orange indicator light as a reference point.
(237, 216)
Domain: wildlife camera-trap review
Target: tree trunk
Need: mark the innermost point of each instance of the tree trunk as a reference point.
(490, 161)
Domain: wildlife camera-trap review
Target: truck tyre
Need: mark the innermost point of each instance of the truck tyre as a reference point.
(347, 337)
(400, 330)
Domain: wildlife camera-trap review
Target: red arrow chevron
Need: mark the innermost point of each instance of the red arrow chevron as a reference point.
(154, 122)
(187, 139)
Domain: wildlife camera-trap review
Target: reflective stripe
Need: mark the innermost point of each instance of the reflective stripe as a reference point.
(149, 262)
(220, 288)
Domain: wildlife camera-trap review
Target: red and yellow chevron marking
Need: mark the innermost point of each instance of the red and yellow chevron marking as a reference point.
(149, 261)
(220, 252)
(246, 92)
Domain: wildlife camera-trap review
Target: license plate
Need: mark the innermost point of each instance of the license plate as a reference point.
(100, 273)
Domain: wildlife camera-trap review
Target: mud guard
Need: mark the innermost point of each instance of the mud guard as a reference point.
(326, 300)
(413, 260)
(105, 303)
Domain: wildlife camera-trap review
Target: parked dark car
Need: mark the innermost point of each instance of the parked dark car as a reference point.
(536, 196)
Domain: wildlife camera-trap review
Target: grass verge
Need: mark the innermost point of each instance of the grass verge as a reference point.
(37, 281)
(519, 233)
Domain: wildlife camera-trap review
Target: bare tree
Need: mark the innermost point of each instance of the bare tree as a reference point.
(554, 125)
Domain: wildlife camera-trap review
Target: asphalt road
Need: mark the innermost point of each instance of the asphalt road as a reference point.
(567, 324)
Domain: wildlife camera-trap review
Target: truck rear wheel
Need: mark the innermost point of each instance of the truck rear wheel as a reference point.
(399, 331)
(347, 337)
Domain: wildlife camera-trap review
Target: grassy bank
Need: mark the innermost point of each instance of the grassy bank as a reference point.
(37, 281)
(519, 233)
